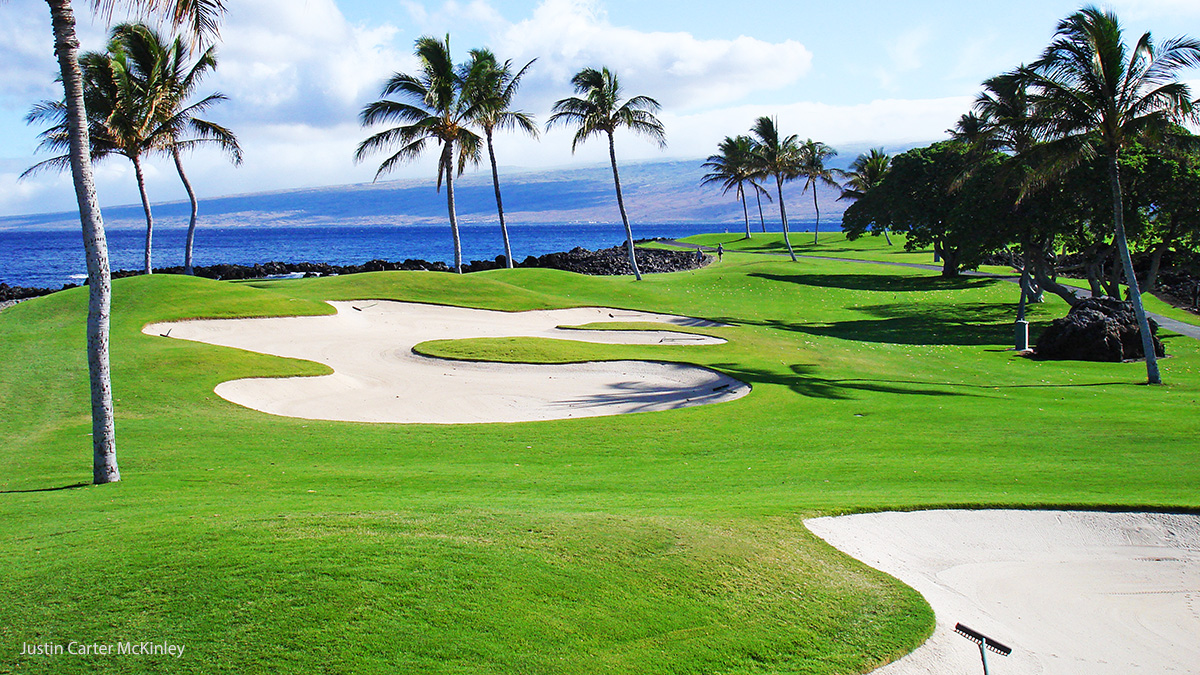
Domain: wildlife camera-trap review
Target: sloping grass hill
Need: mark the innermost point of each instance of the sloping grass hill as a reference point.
(648, 543)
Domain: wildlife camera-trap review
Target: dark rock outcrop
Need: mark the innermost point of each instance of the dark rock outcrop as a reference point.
(1096, 329)
(9, 293)
(615, 260)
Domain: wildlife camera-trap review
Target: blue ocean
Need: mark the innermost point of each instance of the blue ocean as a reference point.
(51, 258)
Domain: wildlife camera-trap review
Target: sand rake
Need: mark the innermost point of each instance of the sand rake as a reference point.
(985, 643)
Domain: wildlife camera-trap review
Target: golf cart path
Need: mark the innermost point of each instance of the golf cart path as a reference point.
(1185, 329)
(1069, 591)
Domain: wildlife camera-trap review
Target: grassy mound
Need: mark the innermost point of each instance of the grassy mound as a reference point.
(650, 543)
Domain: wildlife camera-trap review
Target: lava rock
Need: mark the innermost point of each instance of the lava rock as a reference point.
(615, 261)
(1096, 329)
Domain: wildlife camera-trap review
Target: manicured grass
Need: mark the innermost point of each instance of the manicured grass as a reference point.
(651, 543)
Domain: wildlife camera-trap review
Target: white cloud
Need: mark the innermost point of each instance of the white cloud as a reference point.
(677, 69)
(311, 66)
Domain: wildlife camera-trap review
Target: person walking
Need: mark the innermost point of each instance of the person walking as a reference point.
(720, 252)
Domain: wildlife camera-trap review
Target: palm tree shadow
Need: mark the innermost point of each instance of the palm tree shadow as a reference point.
(48, 489)
(803, 380)
(885, 283)
(963, 324)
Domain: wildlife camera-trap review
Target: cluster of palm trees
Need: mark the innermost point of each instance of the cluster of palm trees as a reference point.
(1088, 97)
(137, 94)
(746, 161)
(447, 104)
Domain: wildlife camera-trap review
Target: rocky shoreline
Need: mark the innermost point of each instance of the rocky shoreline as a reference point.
(603, 262)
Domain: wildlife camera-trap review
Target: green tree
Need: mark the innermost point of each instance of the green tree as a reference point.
(925, 196)
(600, 109)
(733, 169)
(434, 108)
(201, 19)
(865, 174)
(777, 157)
(490, 87)
(1094, 97)
(180, 128)
(812, 168)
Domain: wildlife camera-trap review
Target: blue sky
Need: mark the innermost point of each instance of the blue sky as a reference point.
(298, 71)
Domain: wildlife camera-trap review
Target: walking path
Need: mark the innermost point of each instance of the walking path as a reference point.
(1185, 329)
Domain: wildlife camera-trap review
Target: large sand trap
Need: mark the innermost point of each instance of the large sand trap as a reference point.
(1070, 592)
(377, 377)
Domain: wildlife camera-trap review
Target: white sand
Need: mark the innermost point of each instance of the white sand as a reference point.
(377, 377)
(1070, 592)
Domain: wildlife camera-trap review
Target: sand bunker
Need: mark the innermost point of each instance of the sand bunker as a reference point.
(1070, 592)
(378, 378)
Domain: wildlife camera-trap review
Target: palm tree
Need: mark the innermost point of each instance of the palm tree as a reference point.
(865, 174)
(812, 167)
(200, 17)
(778, 157)
(437, 111)
(601, 110)
(134, 94)
(179, 127)
(490, 87)
(733, 169)
(121, 120)
(1094, 97)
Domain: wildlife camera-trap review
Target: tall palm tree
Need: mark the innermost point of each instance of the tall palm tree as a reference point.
(601, 110)
(865, 174)
(136, 95)
(733, 169)
(121, 120)
(201, 18)
(777, 157)
(437, 110)
(812, 167)
(490, 87)
(179, 127)
(1094, 97)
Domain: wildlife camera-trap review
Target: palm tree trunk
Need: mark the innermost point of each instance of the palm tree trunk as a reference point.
(1135, 295)
(817, 225)
(191, 233)
(886, 236)
(104, 442)
(448, 161)
(745, 212)
(508, 259)
(761, 219)
(612, 155)
(783, 217)
(141, 181)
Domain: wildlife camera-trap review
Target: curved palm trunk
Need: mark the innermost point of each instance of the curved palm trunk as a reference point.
(612, 155)
(783, 217)
(508, 259)
(745, 211)
(1135, 295)
(761, 219)
(141, 181)
(448, 162)
(817, 226)
(104, 443)
(887, 236)
(191, 233)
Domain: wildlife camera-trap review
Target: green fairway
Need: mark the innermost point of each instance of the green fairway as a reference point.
(664, 542)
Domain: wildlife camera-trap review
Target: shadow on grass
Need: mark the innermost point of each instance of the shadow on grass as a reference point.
(805, 382)
(886, 283)
(49, 489)
(965, 324)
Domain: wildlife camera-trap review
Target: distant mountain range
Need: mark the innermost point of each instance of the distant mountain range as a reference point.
(655, 192)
